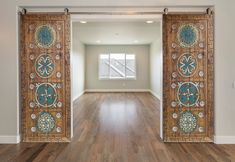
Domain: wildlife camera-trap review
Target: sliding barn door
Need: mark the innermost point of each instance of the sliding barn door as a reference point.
(188, 78)
(45, 77)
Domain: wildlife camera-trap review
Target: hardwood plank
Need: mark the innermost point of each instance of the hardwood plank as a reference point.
(117, 127)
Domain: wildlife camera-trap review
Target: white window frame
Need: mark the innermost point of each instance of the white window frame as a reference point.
(109, 78)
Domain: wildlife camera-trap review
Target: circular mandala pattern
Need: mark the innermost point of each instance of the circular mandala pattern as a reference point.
(31, 104)
(33, 129)
(58, 115)
(31, 86)
(174, 56)
(200, 114)
(187, 35)
(173, 45)
(46, 122)
(201, 129)
(59, 104)
(174, 74)
(44, 66)
(202, 103)
(58, 74)
(201, 73)
(174, 129)
(187, 122)
(201, 45)
(57, 57)
(32, 76)
(200, 55)
(173, 104)
(58, 45)
(188, 94)
(173, 85)
(45, 36)
(33, 116)
(201, 85)
(187, 65)
(31, 46)
(174, 115)
(46, 95)
(58, 129)
(31, 57)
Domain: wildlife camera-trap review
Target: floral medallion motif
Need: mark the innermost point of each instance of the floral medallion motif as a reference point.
(46, 122)
(187, 65)
(46, 95)
(187, 122)
(44, 66)
(188, 94)
(187, 35)
(45, 36)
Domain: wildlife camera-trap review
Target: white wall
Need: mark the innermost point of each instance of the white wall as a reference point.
(224, 59)
(78, 64)
(142, 67)
(156, 65)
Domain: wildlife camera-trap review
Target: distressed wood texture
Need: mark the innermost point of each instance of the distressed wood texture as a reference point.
(188, 98)
(45, 78)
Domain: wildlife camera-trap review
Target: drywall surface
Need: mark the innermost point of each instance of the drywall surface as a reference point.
(92, 67)
(156, 67)
(78, 64)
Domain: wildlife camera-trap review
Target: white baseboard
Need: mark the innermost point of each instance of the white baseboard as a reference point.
(155, 94)
(9, 139)
(224, 139)
(76, 97)
(117, 90)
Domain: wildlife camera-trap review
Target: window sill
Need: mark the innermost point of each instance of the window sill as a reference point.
(117, 79)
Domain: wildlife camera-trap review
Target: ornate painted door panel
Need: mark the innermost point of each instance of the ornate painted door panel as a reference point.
(188, 78)
(45, 77)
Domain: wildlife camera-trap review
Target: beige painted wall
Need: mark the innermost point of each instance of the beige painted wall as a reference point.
(78, 64)
(142, 67)
(156, 67)
(156, 64)
(224, 58)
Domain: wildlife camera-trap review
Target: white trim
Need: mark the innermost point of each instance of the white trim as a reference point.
(155, 95)
(117, 90)
(71, 80)
(9, 139)
(224, 139)
(161, 111)
(79, 95)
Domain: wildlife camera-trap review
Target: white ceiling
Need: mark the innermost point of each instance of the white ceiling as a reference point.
(117, 33)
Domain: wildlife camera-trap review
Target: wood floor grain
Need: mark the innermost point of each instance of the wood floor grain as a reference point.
(117, 127)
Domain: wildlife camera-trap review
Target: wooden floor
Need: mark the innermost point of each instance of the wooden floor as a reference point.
(116, 127)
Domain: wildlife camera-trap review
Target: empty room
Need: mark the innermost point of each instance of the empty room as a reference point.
(123, 81)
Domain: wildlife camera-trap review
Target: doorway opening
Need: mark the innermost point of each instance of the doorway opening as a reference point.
(121, 53)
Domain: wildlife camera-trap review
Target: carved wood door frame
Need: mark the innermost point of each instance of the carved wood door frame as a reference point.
(45, 77)
(188, 78)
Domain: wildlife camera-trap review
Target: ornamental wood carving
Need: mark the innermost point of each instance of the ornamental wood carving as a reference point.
(188, 93)
(45, 78)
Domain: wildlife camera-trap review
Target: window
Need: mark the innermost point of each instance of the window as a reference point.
(117, 66)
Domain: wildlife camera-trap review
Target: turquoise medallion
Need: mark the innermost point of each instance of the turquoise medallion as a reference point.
(45, 36)
(44, 66)
(187, 35)
(187, 65)
(187, 122)
(45, 122)
(46, 95)
(188, 94)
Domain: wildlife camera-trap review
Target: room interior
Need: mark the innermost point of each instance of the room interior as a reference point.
(138, 37)
(135, 143)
